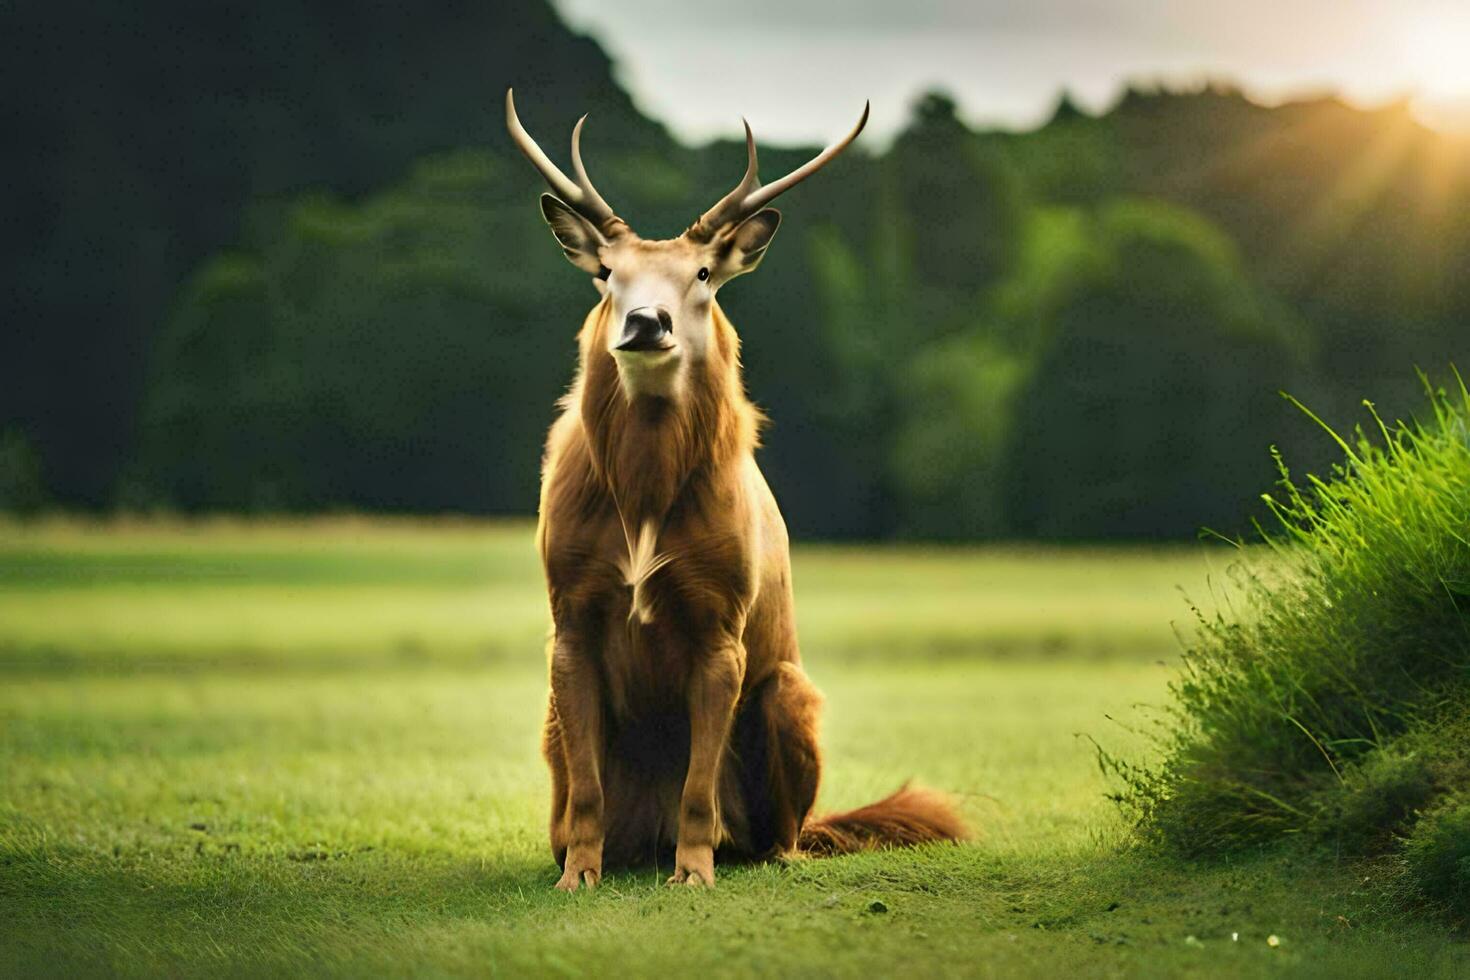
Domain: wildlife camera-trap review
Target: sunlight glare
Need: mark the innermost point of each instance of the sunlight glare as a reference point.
(1436, 50)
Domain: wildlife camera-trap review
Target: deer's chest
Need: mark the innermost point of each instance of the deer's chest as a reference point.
(645, 666)
(655, 606)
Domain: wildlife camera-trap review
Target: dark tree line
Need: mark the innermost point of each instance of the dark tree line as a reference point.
(142, 138)
(284, 258)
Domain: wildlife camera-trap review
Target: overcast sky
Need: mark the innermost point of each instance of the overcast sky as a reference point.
(800, 70)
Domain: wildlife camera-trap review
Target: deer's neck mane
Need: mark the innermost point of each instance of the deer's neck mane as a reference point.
(649, 451)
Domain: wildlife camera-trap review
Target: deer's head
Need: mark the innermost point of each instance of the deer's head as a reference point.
(661, 293)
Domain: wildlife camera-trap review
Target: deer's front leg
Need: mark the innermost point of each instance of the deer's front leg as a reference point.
(714, 688)
(576, 693)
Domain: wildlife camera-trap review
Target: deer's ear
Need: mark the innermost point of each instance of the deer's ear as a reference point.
(574, 233)
(744, 246)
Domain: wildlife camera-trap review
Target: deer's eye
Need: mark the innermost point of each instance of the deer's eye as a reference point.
(703, 275)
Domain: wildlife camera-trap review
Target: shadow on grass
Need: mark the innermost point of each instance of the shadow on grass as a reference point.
(71, 911)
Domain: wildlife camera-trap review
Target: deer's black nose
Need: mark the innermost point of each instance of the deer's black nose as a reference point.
(647, 328)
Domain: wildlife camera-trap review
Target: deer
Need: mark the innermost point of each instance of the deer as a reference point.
(679, 716)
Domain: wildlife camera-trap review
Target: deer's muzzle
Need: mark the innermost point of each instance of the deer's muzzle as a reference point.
(647, 329)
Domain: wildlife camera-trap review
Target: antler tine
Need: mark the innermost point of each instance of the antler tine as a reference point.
(729, 205)
(593, 200)
(578, 194)
(727, 208)
(749, 196)
(751, 180)
(764, 195)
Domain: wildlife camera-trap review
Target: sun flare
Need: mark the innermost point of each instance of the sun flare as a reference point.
(1436, 50)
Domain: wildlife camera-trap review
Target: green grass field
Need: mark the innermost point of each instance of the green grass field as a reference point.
(311, 748)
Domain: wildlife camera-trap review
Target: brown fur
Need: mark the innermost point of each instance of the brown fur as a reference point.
(910, 816)
(680, 721)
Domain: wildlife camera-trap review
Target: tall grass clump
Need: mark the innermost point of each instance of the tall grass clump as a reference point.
(1333, 702)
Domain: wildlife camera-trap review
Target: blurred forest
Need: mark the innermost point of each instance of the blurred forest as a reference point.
(283, 257)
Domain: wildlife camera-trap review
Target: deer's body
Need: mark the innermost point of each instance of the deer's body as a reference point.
(680, 722)
(712, 621)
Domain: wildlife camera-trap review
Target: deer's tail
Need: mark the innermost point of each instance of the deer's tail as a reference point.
(912, 815)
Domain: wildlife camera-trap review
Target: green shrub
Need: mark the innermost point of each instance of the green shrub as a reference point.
(1376, 802)
(1331, 706)
(1438, 854)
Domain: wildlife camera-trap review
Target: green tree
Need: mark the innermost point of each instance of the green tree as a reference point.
(22, 490)
(1147, 414)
